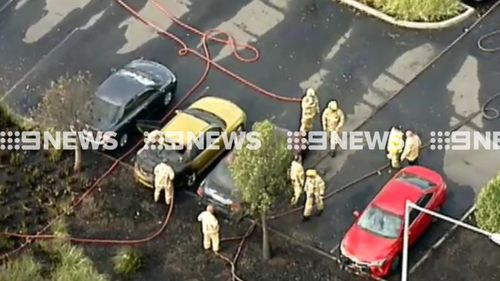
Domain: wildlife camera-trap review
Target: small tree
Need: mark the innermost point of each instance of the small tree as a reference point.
(488, 206)
(261, 174)
(61, 103)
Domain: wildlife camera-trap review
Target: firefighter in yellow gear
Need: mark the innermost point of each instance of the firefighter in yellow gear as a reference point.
(297, 176)
(154, 137)
(210, 229)
(310, 107)
(333, 119)
(164, 180)
(412, 148)
(315, 190)
(395, 147)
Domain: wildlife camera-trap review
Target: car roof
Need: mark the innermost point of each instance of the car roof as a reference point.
(393, 196)
(122, 86)
(183, 128)
(224, 109)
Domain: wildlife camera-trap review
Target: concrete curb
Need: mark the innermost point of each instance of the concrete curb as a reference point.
(469, 11)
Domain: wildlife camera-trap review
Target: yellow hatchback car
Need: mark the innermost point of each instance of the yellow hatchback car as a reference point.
(208, 116)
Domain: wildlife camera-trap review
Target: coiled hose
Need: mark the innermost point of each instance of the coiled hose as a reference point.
(489, 113)
(481, 46)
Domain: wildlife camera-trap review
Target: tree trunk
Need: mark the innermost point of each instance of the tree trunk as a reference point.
(78, 157)
(266, 249)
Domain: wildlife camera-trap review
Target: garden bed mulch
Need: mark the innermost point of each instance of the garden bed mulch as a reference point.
(33, 190)
(465, 255)
(124, 209)
(36, 186)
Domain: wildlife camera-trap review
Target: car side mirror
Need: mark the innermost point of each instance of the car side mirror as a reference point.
(356, 214)
(147, 125)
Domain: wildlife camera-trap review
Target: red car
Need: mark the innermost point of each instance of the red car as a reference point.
(373, 245)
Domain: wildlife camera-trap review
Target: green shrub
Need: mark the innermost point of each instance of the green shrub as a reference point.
(24, 268)
(54, 155)
(5, 118)
(126, 261)
(74, 265)
(3, 190)
(488, 206)
(418, 10)
(5, 242)
(16, 159)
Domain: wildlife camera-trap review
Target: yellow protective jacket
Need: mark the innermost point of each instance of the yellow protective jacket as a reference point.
(320, 186)
(333, 120)
(310, 106)
(297, 172)
(163, 176)
(395, 143)
(209, 223)
(315, 185)
(412, 148)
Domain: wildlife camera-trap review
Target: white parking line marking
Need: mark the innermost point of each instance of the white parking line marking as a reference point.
(6, 5)
(402, 70)
(137, 33)
(42, 60)
(465, 87)
(334, 249)
(93, 20)
(440, 241)
(338, 45)
(246, 29)
(55, 12)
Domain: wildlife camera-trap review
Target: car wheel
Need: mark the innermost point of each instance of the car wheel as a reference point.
(167, 99)
(123, 140)
(395, 266)
(191, 179)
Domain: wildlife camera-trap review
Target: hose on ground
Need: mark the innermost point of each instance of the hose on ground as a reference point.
(493, 112)
(369, 174)
(206, 37)
(184, 50)
(234, 262)
(489, 35)
(489, 113)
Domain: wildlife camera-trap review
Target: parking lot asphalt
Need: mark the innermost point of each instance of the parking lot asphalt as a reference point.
(452, 89)
(358, 60)
(339, 60)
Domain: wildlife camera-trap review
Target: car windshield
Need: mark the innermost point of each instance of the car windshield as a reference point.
(381, 223)
(101, 113)
(206, 116)
(415, 181)
(222, 175)
(173, 146)
(139, 76)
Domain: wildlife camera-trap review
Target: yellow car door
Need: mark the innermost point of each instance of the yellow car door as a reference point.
(213, 148)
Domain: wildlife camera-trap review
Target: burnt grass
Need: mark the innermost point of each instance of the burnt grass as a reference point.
(36, 186)
(34, 189)
(465, 255)
(122, 209)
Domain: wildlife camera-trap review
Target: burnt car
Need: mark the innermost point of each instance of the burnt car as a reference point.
(134, 92)
(207, 116)
(218, 188)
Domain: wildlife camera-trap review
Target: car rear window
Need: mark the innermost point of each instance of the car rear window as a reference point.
(416, 181)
